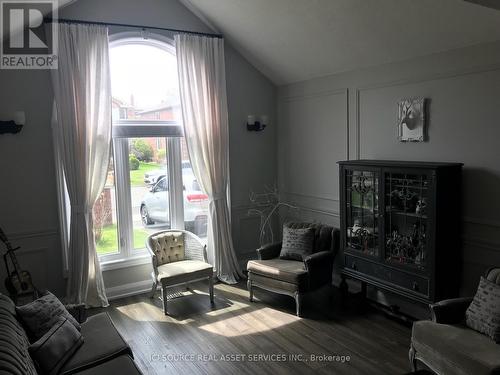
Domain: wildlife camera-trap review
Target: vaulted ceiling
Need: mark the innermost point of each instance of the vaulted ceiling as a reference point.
(295, 40)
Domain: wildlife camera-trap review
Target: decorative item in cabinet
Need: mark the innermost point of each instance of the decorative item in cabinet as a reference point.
(390, 215)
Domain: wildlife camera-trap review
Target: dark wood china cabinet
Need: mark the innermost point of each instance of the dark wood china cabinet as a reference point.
(400, 226)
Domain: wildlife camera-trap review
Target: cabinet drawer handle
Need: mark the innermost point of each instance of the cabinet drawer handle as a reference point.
(354, 266)
(415, 286)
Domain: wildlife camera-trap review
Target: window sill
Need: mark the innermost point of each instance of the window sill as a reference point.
(137, 260)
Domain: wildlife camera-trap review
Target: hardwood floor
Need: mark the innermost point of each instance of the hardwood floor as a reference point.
(239, 337)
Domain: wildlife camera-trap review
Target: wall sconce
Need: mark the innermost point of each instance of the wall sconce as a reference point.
(15, 125)
(253, 125)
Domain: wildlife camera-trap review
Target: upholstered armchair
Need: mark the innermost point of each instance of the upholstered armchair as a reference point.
(447, 346)
(293, 277)
(179, 257)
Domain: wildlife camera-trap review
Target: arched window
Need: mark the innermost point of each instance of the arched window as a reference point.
(150, 184)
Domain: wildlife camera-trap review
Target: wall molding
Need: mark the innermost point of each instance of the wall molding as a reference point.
(315, 210)
(322, 197)
(482, 222)
(129, 289)
(315, 94)
(481, 243)
(319, 94)
(410, 81)
(32, 234)
(432, 77)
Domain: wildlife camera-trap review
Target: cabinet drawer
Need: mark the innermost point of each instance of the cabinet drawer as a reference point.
(384, 274)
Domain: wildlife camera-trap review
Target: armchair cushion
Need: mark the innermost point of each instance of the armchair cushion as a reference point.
(168, 247)
(290, 271)
(455, 349)
(297, 243)
(450, 311)
(269, 251)
(183, 271)
(320, 267)
(483, 314)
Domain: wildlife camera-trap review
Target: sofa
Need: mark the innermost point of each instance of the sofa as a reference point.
(103, 351)
(292, 277)
(446, 345)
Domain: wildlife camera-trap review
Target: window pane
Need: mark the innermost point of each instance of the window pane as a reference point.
(149, 188)
(194, 199)
(104, 212)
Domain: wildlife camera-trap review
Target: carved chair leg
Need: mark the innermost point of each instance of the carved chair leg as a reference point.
(164, 297)
(211, 288)
(250, 290)
(153, 289)
(298, 303)
(413, 359)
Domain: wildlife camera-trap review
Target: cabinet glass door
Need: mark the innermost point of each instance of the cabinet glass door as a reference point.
(406, 220)
(362, 211)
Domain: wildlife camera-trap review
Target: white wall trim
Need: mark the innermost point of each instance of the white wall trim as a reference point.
(432, 77)
(319, 94)
(142, 258)
(330, 199)
(310, 209)
(130, 289)
(315, 94)
(32, 234)
(482, 222)
(422, 79)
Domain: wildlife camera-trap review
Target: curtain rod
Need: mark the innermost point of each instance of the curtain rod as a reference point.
(62, 20)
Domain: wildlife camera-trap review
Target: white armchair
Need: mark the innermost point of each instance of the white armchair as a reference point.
(179, 257)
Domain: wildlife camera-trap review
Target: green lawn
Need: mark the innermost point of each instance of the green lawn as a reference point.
(109, 240)
(137, 176)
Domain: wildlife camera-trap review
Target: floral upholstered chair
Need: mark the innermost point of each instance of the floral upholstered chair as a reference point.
(179, 257)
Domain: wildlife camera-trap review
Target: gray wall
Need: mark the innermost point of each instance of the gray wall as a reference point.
(28, 197)
(353, 115)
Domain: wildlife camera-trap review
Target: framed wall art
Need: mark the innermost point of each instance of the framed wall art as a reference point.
(412, 119)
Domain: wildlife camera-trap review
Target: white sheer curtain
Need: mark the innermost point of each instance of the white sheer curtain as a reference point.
(82, 137)
(202, 82)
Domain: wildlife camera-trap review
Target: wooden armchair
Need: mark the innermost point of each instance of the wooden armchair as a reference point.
(179, 257)
(291, 277)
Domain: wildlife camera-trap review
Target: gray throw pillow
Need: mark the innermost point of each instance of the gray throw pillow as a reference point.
(40, 315)
(483, 314)
(54, 348)
(297, 243)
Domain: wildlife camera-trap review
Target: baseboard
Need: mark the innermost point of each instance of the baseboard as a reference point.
(127, 290)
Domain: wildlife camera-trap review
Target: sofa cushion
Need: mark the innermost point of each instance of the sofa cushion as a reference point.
(483, 314)
(290, 271)
(297, 243)
(117, 366)
(183, 271)
(40, 315)
(168, 247)
(455, 349)
(54, 348)
(101, 342)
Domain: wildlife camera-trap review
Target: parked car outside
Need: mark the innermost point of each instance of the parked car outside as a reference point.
(152, 177)
(155, 207)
